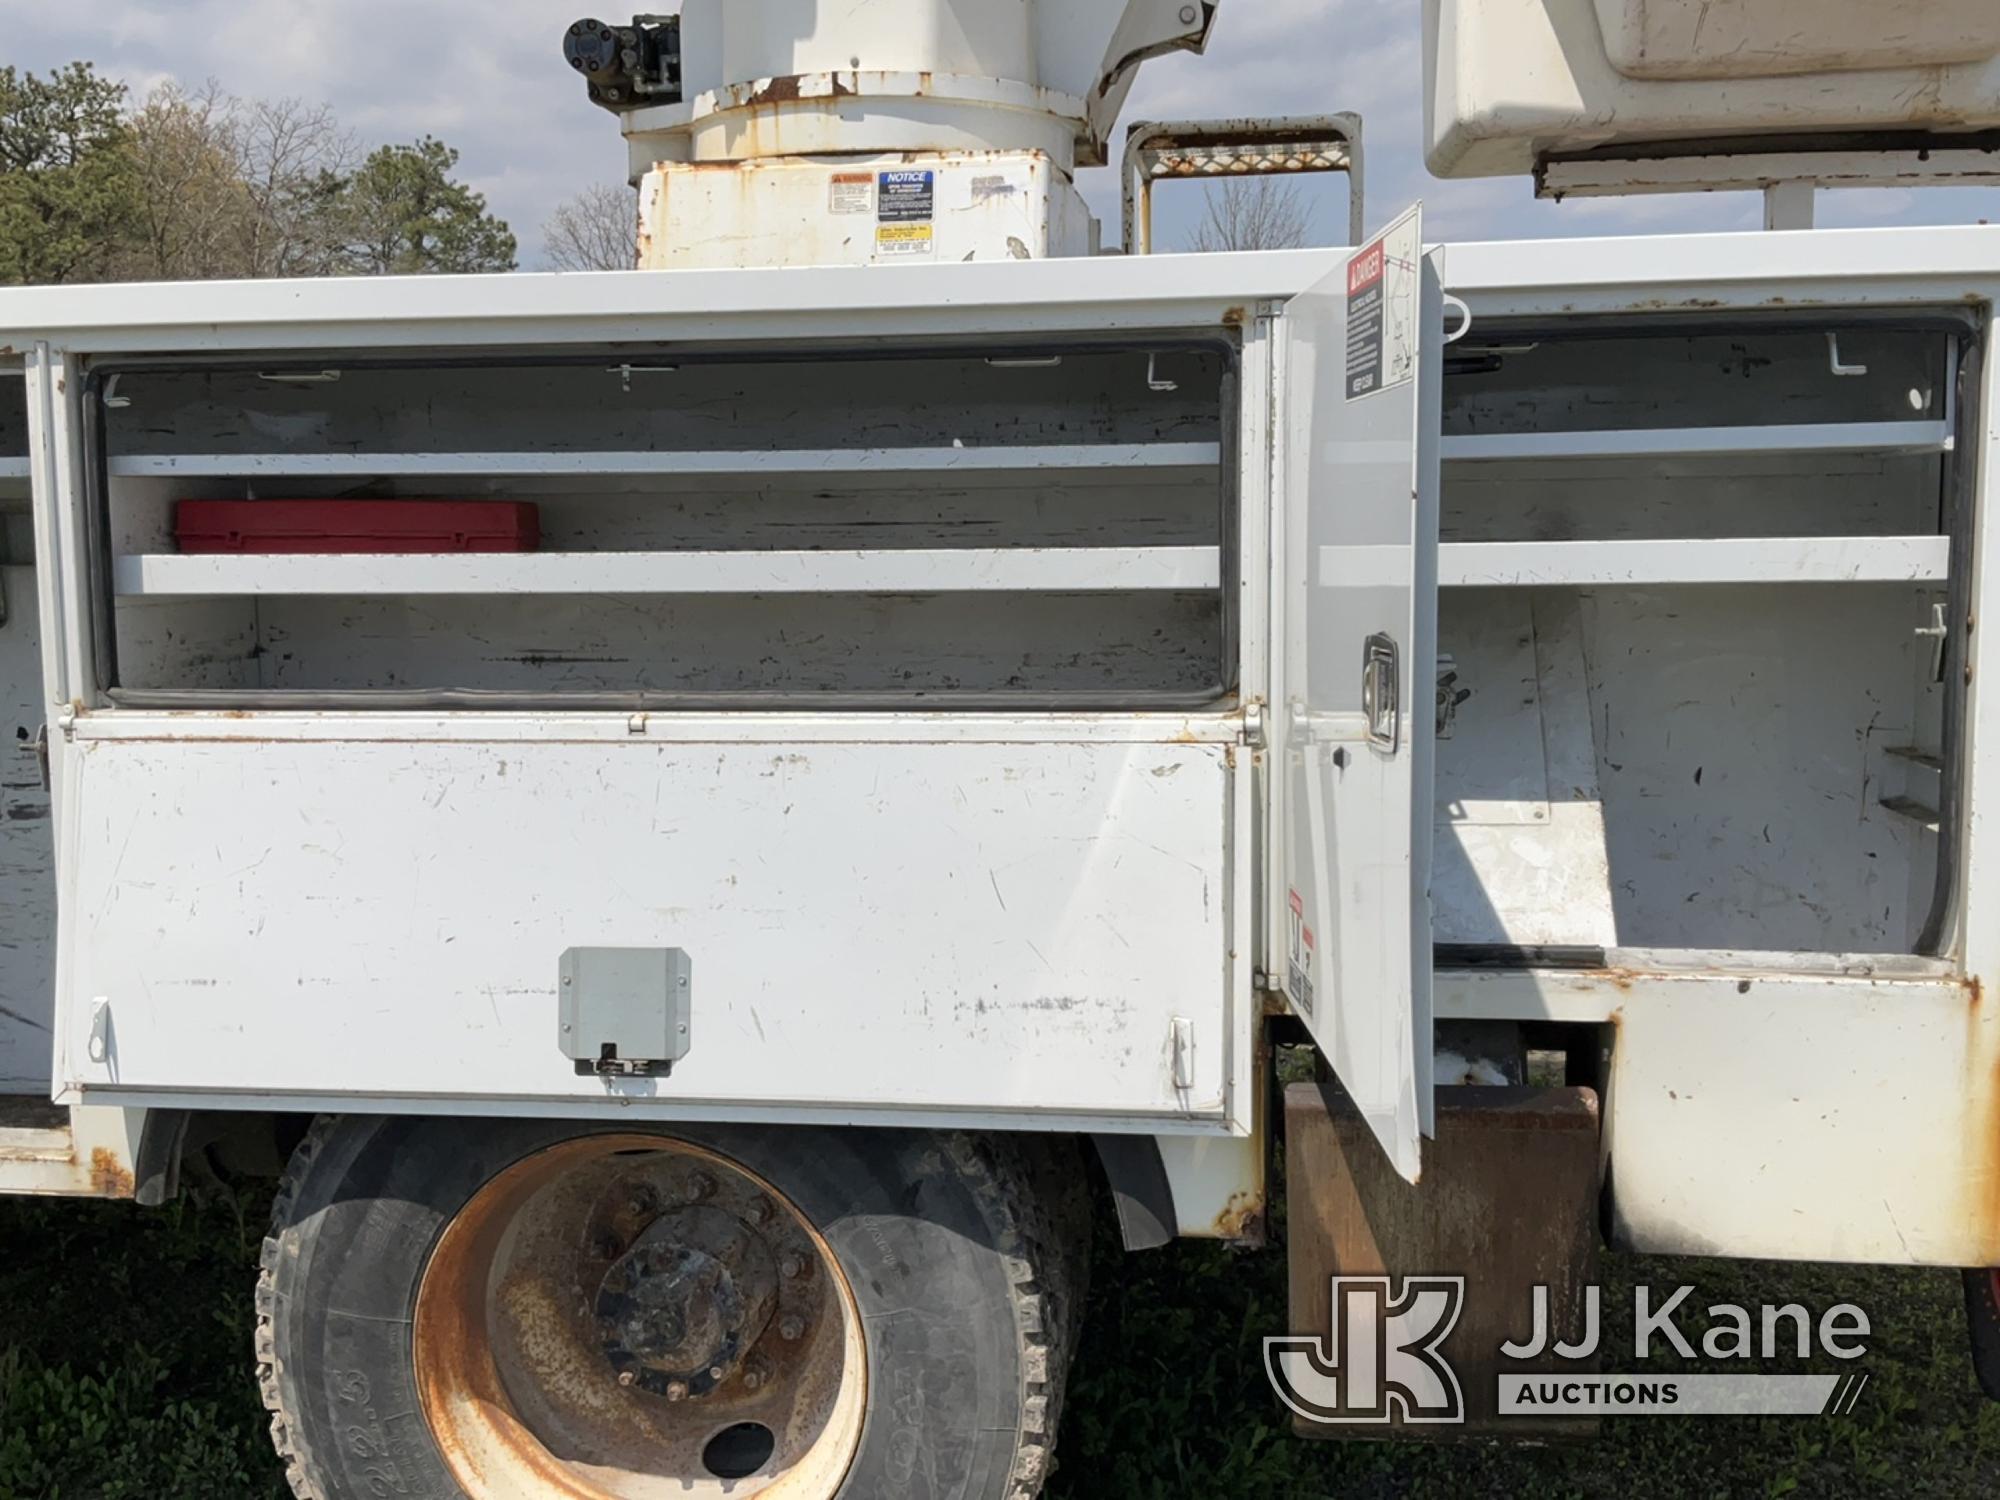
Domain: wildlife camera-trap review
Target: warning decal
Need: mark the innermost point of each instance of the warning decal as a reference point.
(1364, 322)
(1299, 958)
(1383, 300)
(907, 197)
(851, 193)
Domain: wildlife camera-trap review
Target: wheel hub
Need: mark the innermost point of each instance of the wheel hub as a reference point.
(629, 1316)
(680, 1311)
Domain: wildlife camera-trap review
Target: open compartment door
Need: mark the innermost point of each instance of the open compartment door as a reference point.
(1357, 727)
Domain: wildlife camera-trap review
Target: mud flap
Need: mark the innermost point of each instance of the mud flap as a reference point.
(1508, 1203)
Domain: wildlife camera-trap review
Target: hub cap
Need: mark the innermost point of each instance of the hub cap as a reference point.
(628, 1317)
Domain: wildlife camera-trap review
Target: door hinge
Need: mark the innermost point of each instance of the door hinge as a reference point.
(1256, 733)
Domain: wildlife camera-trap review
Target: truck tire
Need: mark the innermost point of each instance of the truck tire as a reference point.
(488, 1308)
(1982, 1316)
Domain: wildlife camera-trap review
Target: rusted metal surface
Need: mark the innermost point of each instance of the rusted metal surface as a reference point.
(1982, 1175)
(1508, 1201)
(110, 1177)
(599, 1313)
(1243, 147)
(1220, 1187)
(51, 1151)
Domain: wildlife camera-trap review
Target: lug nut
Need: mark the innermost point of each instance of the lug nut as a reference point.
(627, 1379)
(793, 1266)
(677, 1390)
(700, 1186)
(715, 1372)
(759, 1212)
(642, 1201)
(792, 1329)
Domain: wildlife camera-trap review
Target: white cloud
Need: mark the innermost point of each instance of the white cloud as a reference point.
(490, 81)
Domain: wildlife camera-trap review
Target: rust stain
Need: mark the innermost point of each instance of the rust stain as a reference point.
(1236, 317)
(1242, 1221)
(109, 1177)
(1982, 1149)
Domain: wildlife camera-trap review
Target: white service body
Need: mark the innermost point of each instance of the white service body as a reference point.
(1687, 579)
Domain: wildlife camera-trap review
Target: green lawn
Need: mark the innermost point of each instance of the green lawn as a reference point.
(125, 1372)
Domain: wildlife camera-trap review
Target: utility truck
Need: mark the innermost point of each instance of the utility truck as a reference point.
(705, 807)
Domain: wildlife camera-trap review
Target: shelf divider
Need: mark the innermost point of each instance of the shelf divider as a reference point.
(747, 462)
(1771, 560)
(1705, 442)
(1011, 570)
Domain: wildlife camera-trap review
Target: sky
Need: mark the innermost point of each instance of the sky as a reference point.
(490, 80)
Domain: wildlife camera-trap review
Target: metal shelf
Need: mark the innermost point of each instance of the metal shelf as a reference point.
(1705, 442)
(748, 462)
(1768, 560)
(1004, 570)
(1876, 559)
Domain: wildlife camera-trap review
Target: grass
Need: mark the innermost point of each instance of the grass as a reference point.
(125, 1373)
(1169, 1400)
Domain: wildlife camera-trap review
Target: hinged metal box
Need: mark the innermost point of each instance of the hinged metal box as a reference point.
(625, 1011)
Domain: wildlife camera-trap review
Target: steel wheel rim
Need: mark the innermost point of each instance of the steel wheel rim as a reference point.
(624, 1317)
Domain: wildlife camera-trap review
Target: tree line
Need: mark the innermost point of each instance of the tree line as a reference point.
(197, 184)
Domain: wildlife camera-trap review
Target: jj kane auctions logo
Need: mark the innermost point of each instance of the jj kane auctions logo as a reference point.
(1382, 1359)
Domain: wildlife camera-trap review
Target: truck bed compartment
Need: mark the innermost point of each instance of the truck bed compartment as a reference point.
(1689, 576)
(1044, 523)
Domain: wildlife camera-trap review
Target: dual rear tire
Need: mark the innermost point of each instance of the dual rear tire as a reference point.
(522, 1308)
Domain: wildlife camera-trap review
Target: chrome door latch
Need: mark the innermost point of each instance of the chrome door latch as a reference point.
(1382, 693)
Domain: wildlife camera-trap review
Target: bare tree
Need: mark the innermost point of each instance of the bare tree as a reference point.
(189, 208)
(597, 230)
(1253, 213)
(295, 161)
(235, 187)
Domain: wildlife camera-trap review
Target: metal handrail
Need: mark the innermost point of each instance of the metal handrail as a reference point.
(1185, 150)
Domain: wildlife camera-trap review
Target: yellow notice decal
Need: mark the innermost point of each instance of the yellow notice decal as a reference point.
(905, 240)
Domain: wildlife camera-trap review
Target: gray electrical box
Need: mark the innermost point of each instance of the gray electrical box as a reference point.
(625, 1012)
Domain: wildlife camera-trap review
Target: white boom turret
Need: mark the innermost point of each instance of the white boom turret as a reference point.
(786, 132)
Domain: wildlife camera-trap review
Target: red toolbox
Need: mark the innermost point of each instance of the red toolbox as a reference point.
(357, 526)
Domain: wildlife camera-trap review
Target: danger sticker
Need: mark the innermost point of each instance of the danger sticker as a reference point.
(1384, 297)
(1366, 321)
(908, 197)
(851, 193)
(905, 241)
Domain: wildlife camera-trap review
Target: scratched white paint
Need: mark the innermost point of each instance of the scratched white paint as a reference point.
(909, 926)
(864, 904)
